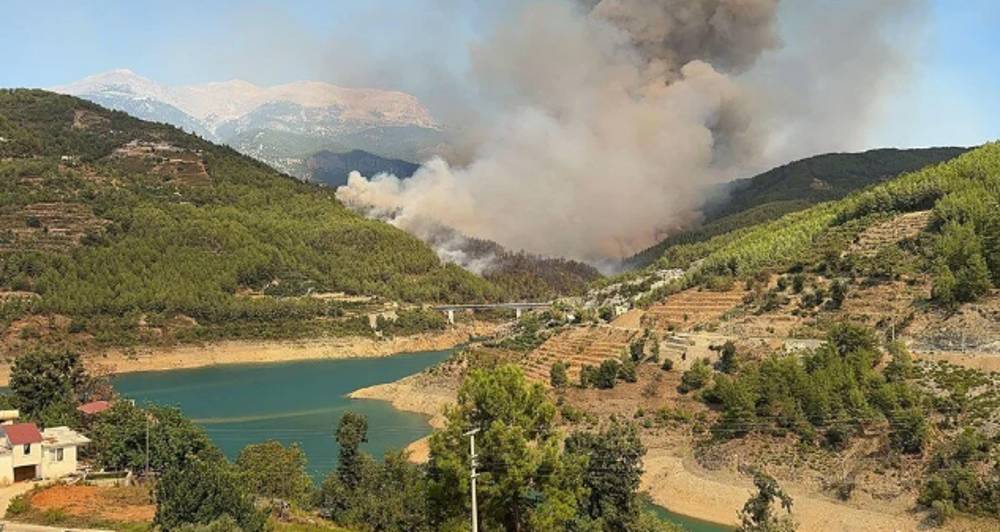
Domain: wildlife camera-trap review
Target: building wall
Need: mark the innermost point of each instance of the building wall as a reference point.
(6, 469)
(34, 457)
(53, 468)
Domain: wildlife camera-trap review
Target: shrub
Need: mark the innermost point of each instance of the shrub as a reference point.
(667, 365)
(627, 372)
(607, 374)
(18, 505)
(202, 492)
(557, 375)
(838, 292)
(909, 431)
(696, 377)
(727, 358)
(798, 282)
(941, 511)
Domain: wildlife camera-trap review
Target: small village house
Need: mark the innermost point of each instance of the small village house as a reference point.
(93, 408)
(27, 453)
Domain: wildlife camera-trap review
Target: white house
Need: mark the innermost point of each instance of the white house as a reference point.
(27, 454)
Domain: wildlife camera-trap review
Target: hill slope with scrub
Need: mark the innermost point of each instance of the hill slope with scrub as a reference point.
(850, 349)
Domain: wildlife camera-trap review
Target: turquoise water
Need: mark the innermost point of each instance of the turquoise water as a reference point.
(301, 402)
(689, 524)
(289, 402)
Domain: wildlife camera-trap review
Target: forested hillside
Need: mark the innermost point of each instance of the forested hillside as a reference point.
(120, 226)
(959, 250)
(794, 187)
(332, 168)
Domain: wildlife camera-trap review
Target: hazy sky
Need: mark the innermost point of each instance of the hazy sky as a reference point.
(952, 96)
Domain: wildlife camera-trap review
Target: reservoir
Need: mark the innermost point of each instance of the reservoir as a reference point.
(290, 402)
(301, 402)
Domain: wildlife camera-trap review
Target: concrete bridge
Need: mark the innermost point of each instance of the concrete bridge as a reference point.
(518, 308)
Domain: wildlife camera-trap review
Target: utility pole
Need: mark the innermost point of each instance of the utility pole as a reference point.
(147, 446)
(472, 475)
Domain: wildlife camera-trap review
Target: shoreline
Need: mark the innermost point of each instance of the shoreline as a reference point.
(668, 480)
(674, 485)
(409, 395)
(191, 356)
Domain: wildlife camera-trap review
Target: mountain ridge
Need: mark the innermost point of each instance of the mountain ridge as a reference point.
(273, 123)
(215, 103)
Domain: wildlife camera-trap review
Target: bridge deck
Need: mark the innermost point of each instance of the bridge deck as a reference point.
(485, 306)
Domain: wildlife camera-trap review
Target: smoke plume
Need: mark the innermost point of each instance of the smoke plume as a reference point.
(602, 125)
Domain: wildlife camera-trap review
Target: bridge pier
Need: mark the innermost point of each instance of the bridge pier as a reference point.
(451, 316)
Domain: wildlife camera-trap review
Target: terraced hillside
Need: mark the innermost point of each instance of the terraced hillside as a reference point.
(578, 346)
(880, 235)
(690, 308)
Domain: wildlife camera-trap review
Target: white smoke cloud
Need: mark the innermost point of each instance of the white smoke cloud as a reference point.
(600, 130)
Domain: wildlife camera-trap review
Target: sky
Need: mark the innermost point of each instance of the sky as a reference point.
(951, 97)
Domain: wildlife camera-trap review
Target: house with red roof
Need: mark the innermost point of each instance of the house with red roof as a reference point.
(94, 407)
(27, 453)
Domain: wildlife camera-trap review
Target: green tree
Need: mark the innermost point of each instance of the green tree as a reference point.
(351, 433)
(696, 377)
(627, 371)
(41, 379)
(557, 375)
(739, 406)
(909, 430)
(727, 357)
(960, 272)
(607, 374)
(202, 492)
(391, 496)
(838, 292)
(849, 338)
(588, 376)
(900, 367)
(272, 470)
(614, 467)
(758, 514)
(525, 481)
(119, 438)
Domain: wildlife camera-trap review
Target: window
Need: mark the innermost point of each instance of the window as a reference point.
(27, 448)
(59, 454)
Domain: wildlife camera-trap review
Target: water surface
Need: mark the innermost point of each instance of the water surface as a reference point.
(302, 402)
(290, 402)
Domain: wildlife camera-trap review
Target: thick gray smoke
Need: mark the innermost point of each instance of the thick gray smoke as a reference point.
(610, 122)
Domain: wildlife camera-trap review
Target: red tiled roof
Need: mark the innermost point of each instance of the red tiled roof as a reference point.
(22, 433)
(94, 407)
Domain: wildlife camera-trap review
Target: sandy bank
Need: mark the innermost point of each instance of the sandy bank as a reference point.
(418, 394)
(674, 485)
(411, 395)
(252, 352)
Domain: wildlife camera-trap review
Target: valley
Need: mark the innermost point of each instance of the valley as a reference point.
(695, 360)
(531, 266)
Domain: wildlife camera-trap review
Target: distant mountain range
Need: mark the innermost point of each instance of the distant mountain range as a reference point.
(283, 125)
